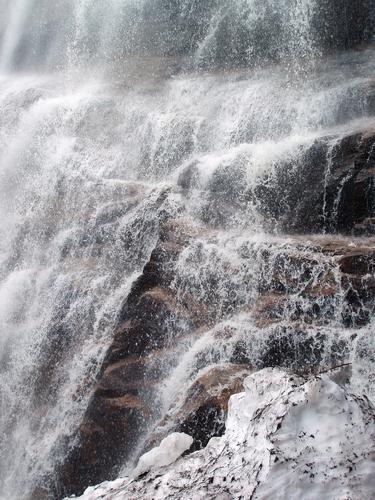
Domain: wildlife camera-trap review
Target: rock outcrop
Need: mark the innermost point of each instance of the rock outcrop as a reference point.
(323, 186)
(240, 39)
(329, 188)
(123, 405)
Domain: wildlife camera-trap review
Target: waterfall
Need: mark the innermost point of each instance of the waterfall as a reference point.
(118, 116)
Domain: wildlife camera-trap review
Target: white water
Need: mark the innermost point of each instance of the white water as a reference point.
(102, 107)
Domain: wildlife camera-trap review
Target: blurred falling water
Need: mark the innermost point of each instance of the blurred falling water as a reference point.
(104, 107)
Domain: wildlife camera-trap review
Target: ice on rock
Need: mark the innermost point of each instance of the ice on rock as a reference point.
(286, 437)
(169, 450)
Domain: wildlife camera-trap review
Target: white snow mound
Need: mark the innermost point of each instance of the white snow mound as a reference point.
(169, 450)
(285, 438)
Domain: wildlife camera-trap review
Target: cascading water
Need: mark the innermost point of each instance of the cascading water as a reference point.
(116, 116)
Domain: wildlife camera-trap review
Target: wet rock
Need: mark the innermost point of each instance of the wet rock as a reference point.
(329, 188)
(269, 308)
(203, 413)
(366, 227)
(302, 350)
(123, 402)
(148, 327)
(110, 426)
(358, 263)
(344, 24)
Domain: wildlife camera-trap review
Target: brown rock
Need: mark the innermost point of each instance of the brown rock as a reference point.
(269, 308)
(358, 263)
(123, 402)
(203, 413)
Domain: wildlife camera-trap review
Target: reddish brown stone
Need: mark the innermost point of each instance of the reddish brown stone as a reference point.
(202, 414)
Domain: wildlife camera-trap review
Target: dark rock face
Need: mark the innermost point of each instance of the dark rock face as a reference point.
(330, 188)
(238, 40)
(350, 23)
(325, 187)
(122, 404)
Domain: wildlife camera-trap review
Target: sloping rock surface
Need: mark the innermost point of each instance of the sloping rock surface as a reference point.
(123, 405)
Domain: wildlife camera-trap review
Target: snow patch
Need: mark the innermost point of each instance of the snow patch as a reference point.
(169, 450)
(286, 437)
